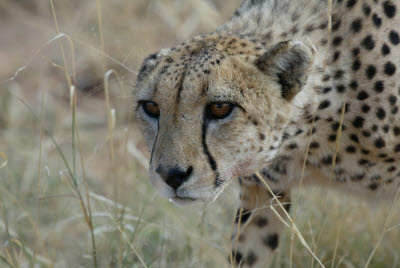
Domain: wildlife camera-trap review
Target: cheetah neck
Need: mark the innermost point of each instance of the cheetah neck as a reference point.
(272, 21)
(281, 18)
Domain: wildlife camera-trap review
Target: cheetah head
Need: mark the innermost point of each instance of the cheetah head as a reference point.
(215, 108)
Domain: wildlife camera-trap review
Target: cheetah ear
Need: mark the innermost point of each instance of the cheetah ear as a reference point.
(150, 63)
(289, 63)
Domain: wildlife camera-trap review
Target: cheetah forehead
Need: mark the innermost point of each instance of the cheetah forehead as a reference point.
(191, 68)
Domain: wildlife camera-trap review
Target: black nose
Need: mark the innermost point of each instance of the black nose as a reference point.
(175, 176)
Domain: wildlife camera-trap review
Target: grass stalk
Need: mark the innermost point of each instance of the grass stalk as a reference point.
(15, 263)
(53, 11)
(38, 190)
(386, 227)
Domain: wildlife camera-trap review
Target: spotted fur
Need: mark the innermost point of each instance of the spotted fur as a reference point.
(288, 77)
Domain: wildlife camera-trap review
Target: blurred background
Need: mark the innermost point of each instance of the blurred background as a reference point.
(74, 190)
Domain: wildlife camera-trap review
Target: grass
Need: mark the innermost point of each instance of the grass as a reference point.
(73, 182)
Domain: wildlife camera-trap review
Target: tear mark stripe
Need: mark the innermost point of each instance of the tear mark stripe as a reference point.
(210, 158)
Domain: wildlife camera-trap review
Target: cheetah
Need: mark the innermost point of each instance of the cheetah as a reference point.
(284, 89)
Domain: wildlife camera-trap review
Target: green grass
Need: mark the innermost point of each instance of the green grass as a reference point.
(132, 225)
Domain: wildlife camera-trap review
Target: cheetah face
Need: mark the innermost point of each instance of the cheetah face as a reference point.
(210, 112)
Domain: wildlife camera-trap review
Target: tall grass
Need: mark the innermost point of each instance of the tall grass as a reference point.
(73, 182)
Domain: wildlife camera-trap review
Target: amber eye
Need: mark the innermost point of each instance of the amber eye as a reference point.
(151, 108)
(219, 110)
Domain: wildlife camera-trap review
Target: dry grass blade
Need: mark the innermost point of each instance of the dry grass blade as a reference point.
(126, 238)
(111, 121)
(336, 245)
(38, 51)
(234, 252)
(71, 85)
(71, 41)
(386, 227)
(337, 141)
(10, 247)
(38, 191)
(300, 186)
(67, 76)
(5, 160)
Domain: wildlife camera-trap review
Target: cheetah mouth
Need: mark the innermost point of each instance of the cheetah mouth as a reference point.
(181, 201)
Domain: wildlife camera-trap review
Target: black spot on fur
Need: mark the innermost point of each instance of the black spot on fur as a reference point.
(370, 71)
(356, 25)
(337, 41)
(314, 145)
(386, 128)
(336, 56)
(389, 160)
(336, 25)
(353, 85)
(385, 49)
(292, 146)
(356, 65)
(392, 99)
(243, 217)
(366, 133)
(365, 108)
(261, 222)
(351, 149)
(271, 241)
(256, 2)
(326, 90)
(392, 168)
(332, 137)
(366, 10)
(380, 113)
(327, 160)
(373, 186)
(396, 131)
(379, 143)
(251, 258)
(389, 8)
(376, 20)
(366, 152)
(355, 51)
(354, 138)
(397, 148)
(324, 104)
(340, 88)
(368, 42)
(394, 37)
(389, 68)
(351, 3)
(358, 177)
(287, 206)
(238, 256)
(363, 162)
(362, 95)
(358, 122)
(379, 86)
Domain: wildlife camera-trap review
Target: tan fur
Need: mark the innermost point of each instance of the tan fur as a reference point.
(274, 61)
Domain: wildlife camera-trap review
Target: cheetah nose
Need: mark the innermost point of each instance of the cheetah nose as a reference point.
(175, 176)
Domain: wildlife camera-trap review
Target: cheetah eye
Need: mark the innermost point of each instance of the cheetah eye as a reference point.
(150, 108)
(219, 110)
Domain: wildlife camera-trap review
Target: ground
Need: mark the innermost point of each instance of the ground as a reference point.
(42, 211)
